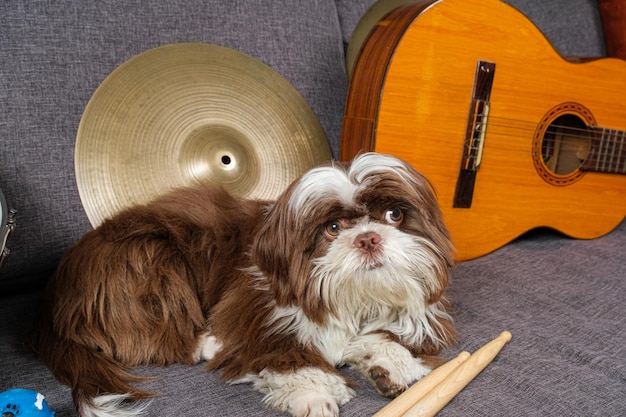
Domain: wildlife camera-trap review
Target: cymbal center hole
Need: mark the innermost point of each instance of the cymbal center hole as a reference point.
(226, 160)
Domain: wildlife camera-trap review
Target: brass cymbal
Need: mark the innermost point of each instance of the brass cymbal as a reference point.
(371, 17)
(186, 113)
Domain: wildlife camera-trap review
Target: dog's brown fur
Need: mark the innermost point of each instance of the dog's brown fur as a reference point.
(139, 288)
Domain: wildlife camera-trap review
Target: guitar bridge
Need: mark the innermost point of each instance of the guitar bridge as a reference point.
(475, 134)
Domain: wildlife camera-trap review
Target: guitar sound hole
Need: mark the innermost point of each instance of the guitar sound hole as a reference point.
(565, 145)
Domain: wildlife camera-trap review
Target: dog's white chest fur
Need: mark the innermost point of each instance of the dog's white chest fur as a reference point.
(340, 337)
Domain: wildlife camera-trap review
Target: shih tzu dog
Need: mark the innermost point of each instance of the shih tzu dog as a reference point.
(349, 266)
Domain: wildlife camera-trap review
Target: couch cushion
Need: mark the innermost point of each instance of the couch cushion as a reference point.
(54, 54)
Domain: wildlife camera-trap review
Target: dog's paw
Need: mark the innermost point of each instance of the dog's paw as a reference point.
(305, 392)
(388, 365)
(391, 376)
(384, 383)
(314, 404)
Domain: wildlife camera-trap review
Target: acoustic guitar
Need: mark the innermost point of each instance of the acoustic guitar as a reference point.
(512, 135)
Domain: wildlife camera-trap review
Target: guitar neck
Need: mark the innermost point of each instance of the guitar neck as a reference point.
(607, 152)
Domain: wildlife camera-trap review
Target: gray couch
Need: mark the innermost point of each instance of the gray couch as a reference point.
(562, 299)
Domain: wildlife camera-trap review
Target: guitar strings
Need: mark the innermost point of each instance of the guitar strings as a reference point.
(615, 137)
(572, 130)
(517, 128)
(563, 129)
(520, 129)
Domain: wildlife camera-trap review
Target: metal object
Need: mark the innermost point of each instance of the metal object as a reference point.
(7, 225)
(186, 113)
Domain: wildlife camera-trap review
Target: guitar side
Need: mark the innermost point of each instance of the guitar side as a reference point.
(420, 114)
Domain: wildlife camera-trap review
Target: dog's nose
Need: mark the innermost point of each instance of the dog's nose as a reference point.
(367, 242)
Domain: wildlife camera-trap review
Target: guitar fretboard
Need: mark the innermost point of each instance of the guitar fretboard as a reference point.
(608, 151)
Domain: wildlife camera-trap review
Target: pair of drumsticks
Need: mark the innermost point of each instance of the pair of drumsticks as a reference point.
(430, 394)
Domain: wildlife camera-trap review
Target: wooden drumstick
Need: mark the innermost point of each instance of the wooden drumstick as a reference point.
(440, 395)
(404, 401)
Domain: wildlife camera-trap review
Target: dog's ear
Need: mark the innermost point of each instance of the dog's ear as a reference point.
(433, 225)
(273, 248)
(426, 199)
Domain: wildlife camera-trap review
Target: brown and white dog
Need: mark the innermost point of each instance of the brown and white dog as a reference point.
(348, 266)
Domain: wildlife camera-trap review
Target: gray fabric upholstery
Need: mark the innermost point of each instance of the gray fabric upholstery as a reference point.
(562, 299)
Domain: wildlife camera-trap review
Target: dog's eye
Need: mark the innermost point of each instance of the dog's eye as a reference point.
(332, 229)
(394, 216)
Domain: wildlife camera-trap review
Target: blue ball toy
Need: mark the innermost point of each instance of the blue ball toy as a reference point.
(21, 402)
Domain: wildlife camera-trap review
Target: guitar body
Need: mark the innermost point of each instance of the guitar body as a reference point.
(411, 96)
